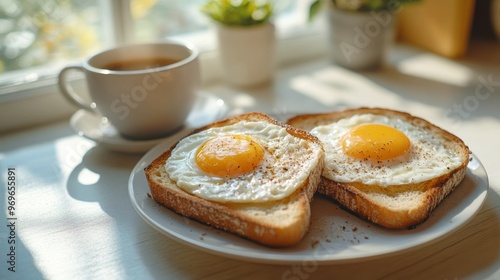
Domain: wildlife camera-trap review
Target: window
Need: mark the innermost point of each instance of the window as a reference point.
(37, 32)
(38, 37)
(153, 19)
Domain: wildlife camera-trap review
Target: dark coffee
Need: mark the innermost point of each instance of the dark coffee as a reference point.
(139, 64)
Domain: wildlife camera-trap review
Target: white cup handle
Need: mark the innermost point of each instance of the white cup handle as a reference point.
(69, 93)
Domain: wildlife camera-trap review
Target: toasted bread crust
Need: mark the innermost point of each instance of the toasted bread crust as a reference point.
(363, 199)
(261, 222)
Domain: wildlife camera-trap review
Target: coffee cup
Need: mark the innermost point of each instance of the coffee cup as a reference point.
(145, 91)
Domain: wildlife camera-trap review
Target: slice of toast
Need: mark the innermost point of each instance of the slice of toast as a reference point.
(393, 206)
(275, 223)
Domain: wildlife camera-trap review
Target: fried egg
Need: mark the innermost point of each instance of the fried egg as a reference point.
(381, 150)
(249, 161)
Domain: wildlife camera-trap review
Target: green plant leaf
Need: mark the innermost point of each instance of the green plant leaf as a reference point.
(314, 9)
(238, 13)
(355, 5)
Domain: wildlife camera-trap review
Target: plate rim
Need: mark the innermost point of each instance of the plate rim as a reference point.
(271, 258)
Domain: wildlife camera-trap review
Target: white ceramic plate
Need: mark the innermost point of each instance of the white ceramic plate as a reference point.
(335, 236)
(207, 109)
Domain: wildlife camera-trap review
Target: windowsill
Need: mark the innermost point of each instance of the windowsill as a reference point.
(40, 109)
(44, 104)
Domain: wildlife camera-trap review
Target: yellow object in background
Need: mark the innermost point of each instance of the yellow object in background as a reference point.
(441, 26)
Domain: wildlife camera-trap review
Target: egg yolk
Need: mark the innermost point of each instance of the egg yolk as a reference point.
(229, 155)
(375, 142)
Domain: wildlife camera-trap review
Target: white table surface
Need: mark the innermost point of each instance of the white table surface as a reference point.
(75, 219)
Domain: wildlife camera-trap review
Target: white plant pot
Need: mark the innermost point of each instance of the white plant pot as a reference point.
(360, 40)
(247, 53)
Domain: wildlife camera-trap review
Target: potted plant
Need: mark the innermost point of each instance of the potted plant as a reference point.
(246, 39)
(361, 31)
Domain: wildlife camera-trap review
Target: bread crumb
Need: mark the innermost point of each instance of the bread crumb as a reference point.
(314, 243)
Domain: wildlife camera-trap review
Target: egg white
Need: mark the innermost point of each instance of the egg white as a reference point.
(287, 163)
(427, 158)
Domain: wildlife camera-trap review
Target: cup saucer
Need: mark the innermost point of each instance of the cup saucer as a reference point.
(207, 109)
